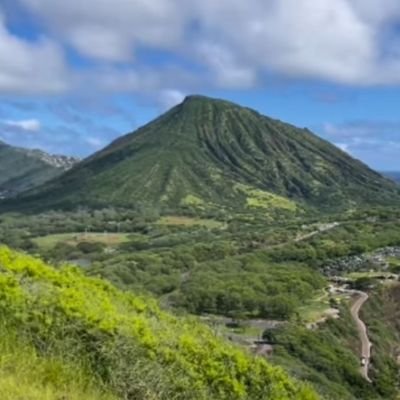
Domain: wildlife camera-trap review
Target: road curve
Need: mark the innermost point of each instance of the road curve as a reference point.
(362, 331)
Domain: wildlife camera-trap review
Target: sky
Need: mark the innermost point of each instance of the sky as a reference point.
(76, 74)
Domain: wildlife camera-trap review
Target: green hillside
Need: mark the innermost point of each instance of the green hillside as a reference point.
(22, 169)
(207, 154)
(54, 319)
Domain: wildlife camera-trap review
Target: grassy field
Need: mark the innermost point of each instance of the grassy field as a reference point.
(109, 239)
(368, 274)
(187, 221)
(319, 308)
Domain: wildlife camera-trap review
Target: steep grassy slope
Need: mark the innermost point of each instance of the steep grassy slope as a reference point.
(27, 375)
(125, 343)
(22, 169)
(209, 154)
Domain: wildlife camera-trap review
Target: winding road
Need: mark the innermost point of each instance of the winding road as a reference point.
(362, 331)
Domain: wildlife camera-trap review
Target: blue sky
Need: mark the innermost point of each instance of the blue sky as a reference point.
(74, 75)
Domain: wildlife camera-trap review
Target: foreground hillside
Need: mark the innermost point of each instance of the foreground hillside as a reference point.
(206, 155)
(22, 169)
(121, 346)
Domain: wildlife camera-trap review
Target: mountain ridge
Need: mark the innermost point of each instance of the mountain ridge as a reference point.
(207, 154)
(23, 169)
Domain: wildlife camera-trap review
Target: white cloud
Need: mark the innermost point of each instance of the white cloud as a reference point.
(341, 40)
(110, 30)
(27, 67)
(226, 70)
(228, 44)
(27, 125)
(299, 38)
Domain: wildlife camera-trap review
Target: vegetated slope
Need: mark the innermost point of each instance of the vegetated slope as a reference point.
(205, 154)
(27, 375)
(22, 169)
(329, 358)
(382, 317)
(126, 343)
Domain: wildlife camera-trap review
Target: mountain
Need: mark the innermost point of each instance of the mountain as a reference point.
(207, 154)
(394, 175)
(23, 169)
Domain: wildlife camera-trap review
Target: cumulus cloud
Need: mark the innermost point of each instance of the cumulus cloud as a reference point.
(27, 67)
(226, 70)
(343, 41)
(110, 30)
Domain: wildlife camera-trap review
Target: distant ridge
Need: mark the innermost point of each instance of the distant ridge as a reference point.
(207, 154)
(24, 169)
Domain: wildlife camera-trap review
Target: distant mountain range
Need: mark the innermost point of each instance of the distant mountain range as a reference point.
(395, 175)
(208, 154)
(23, 169)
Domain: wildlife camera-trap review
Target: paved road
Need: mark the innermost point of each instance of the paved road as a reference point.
(362, 331)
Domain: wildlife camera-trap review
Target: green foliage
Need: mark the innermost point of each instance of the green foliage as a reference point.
(247, 286)
(27, 375)
(194, 158)
(263, 199)
(328, 357)
(126, 342)
(352, 237)
(382, 316)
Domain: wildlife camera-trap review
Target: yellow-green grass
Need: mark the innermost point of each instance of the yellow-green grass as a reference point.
(257, 198)
(316, 308)
(24, 375)
(173, 220)
(367, 274)
(314, 311)
(191, 200)
(394, 261)
(109, 239)
(138, 350)
(247, 331)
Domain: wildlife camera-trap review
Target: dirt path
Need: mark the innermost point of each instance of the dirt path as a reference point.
(362, 331)
(322, 229)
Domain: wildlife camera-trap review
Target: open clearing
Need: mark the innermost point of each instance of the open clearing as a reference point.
(109, 239)
(188, 221)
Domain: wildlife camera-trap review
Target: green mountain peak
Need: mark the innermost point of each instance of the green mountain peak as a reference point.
(208, 154)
